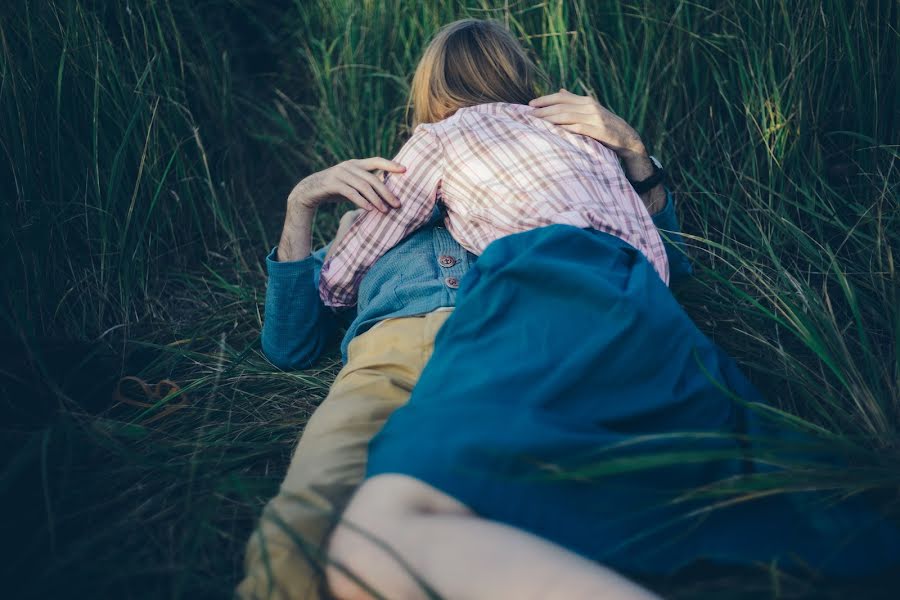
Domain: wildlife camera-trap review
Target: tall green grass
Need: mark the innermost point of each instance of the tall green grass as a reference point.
(145, 152)
(138, 201)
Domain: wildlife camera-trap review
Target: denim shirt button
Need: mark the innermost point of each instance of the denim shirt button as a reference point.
(451, 282)
(446, 261)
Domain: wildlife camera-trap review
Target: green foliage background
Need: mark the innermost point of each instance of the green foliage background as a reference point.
(146, 149)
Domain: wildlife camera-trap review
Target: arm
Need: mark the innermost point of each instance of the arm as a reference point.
(586, 116)
(373, 234)
(660, 202)
(670, 229)
(297, 327)
(347, 220)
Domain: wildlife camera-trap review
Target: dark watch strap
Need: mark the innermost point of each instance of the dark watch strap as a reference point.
(644, 186)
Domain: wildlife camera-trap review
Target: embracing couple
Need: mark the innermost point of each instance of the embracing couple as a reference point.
(513, 246)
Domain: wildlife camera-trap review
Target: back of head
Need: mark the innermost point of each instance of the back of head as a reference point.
(471, 62)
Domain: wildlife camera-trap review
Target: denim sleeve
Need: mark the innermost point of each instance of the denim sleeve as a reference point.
(296, 326)
(670, 229)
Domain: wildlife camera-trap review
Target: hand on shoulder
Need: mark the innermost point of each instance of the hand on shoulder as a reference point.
(585, 116)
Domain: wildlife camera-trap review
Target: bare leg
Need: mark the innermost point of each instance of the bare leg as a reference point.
(398, 528)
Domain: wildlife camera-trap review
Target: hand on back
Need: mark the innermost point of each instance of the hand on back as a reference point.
(586, 116)
(355, 180)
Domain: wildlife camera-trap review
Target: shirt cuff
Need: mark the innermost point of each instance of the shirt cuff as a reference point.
(667, 221)
(313, 261)
(289, 266)
(668, 209)
(667, 218)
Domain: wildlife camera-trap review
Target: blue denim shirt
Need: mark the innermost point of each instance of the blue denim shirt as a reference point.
(416, 277)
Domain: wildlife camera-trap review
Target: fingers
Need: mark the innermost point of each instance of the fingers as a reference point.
(364, 187)
(559, 109)
(353, 180)
(376, 162)
(378, 185)
(351, 194)
(578, 128)
(357, 174)
(566, 118)
(563, 96)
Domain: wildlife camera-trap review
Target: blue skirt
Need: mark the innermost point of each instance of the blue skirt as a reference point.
(568, 359)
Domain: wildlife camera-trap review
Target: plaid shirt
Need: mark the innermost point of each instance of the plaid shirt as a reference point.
(498, 170)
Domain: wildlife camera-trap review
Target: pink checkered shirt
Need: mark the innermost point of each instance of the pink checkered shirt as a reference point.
(498, 170)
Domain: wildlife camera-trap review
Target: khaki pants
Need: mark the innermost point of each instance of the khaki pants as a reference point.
(284, 557)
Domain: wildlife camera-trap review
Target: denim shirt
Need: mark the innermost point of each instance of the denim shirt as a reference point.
(416, 277)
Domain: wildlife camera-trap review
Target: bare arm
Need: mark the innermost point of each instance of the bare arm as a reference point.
(586, 116)
(373, 234)
(352, 180)
(297, 327)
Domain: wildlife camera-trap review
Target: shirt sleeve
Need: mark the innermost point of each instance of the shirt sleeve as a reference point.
(670, 230)
(374, 233)
(296, 327)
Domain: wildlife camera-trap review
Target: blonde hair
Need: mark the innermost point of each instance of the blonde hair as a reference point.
(470, 62)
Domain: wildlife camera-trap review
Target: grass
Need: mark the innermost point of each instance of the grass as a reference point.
(146, 149)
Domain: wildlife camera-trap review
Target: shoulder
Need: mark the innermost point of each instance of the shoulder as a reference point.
(492, 114)
(428, 133)
(425, 139)
(491, 108)
(469, 117)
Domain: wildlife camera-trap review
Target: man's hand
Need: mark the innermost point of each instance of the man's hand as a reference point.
(585, 116)
(351, 180)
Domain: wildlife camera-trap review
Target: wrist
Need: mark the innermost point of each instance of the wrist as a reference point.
(301, 203)
(638, 167)
(300, 210)
(303, 197)
(634, 151)
(295, 244)
(296, 235)
(646, 175)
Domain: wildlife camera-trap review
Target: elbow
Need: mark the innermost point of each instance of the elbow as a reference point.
(292, 354)
(292, 360)
(289, 363)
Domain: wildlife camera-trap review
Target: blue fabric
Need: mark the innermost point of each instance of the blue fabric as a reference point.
(565, 349)
(406, 281)
(670, 229)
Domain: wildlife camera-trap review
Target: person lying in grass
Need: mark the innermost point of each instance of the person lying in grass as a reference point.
(495, 167)
(403, 300)
(571, 415)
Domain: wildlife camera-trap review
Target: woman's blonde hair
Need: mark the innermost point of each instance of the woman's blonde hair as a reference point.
(469, 62)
